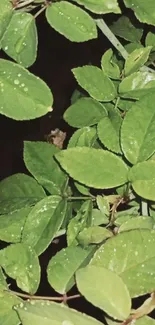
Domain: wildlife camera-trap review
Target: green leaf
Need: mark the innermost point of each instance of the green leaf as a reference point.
(109, 171)
(116, 303)
(109, 131)
(6, 11)
(125, 104)
(85, 137)
(20, 39)
(103, 7)
(15, 204)
(110, 68)
(95, 82)
(137, 84)
(150, 40)
(21, 263)
(136, 60)
(142, 178)
(63, 265)
(138, 133)
(39, 160)
(103, 204)
(8, 316)
(20, 186)
(143, 10)
(93, 235)
(126, 29)
(23, 95)
(82, 188)
(51, 313)
(131, 255)
(84, 112)
(137, 223)
(99, 218)
(71, 21)
(79, 222)
(11, 225)
(43, 222)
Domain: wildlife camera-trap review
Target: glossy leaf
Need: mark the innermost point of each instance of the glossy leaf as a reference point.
(21, 263)
(79, 222)
(71, 21)
(142, 178)
(137, 223)
(137, 84)
(109, 131)
(150, 40)
(84, 112)
(7, 314)
(20, 39)
(137, 133)
(23, 95)
(95, 82)
(143, 10)
(131, 255)
(141, 321)
(110, 68)
(103, 7)
(63, 265)
(15, 204)
(84, 137)
(43, 222)
(103, 204)
(109, 171)
(136, 60)
(99, 218)
(11, 225)
(21, 186)
(39, 160)
(104, 296)
(126, 29)
(50, 313)
(93, 235)
(6, 11)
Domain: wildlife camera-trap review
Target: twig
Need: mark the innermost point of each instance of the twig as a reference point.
(116, 43)
(25, 3)
(39, 12)
(33, 297)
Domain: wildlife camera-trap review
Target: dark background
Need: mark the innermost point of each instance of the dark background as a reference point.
(56, 57)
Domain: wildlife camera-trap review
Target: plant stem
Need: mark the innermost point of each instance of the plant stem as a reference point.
(39, 12)
(111, 37)
(26, 296)
(61, 232)
(25, 3)
(116, 43)
(144, 208)
(117, 102)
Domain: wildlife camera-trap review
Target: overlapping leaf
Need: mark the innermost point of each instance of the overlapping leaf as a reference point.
(95, 82)
(43, 222)
(21, 263)
(115, 303)
(84, 112)
(142, 178)
(136, 60)
(143, 10)
(132, 256)
(104, 7)
(6, 11)
(84, 137)
(64, 264)
(138, 133)
(7, 314)
(39, 160)
(109, 171)
(124, 28)
(50, 313)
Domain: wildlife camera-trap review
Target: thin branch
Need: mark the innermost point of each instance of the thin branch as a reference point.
(27, 296)
(144, 208)
(116, 43)
(25, 3)
(39, 12)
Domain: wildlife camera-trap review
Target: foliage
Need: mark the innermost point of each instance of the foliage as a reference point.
(99, 190)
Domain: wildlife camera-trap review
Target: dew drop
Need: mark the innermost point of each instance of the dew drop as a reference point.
(25, 89)
(16, 82)
(6, 48)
